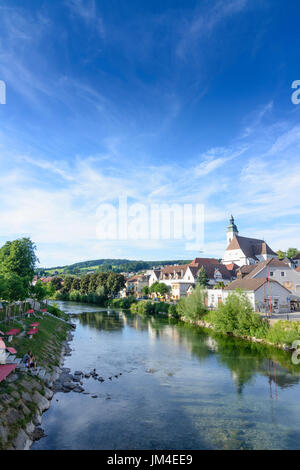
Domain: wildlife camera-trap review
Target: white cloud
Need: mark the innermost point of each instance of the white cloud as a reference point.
(214, 159)
(87, 11)
(204, 23)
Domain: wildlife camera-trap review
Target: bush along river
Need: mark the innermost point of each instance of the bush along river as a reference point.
(155, 383)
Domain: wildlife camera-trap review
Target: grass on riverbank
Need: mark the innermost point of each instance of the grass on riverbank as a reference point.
(45, 345)
(17, 402)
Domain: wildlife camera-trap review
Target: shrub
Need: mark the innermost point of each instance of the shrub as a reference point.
(236, 316)
(284, 332)
(193, 307)
(123, 303)
(144, 307)
(172, 311)
(160, 307)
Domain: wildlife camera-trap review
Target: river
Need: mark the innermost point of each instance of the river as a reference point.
(180, 387)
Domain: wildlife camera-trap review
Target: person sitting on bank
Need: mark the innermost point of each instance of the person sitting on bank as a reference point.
(32, 362)
(26, 357)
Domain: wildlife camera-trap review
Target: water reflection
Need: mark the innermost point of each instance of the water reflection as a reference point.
(181, 388)
(243, 359)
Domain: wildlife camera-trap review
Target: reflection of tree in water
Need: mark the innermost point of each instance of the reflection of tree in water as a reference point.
(243, 358)
(246, 359)
(102, 321)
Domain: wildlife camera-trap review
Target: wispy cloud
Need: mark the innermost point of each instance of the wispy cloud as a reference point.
(88, 12)
(214, 159)
(206, 21)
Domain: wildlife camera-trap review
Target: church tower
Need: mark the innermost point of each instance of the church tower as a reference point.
(231, 230)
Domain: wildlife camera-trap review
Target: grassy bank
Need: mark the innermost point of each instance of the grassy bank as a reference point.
(20, 393)
(236, 317)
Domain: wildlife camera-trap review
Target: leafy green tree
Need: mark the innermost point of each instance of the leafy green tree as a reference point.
(3, 287)
(39, 291)
(159, 288)
(76, 284)
(292, 252)
(146, 290)
(84, 284)
(236, 316)
(281, 254)
(193, 307)
(115, 282)
(57, 282)
(18, 257)
(202, 279)
(68, 282)
(14, 287)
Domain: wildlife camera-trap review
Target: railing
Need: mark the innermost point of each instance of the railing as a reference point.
(12, 311)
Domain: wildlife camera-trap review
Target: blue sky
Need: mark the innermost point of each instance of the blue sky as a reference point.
(164, 102)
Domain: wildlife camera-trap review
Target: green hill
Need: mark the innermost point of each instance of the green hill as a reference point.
(104, 265)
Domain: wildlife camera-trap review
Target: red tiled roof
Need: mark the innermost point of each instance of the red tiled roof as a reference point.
(210, 265)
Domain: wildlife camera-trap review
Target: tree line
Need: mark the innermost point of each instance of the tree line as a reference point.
(95, 288)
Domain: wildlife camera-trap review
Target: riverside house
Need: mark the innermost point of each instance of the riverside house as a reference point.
(258, 292)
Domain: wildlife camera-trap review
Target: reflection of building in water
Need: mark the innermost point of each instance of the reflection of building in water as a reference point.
(278, 377)
(165, 331)
(211, 344)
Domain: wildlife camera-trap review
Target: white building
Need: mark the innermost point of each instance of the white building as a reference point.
(259, 292)
(216, 272)
(277, 271)
(244, 250)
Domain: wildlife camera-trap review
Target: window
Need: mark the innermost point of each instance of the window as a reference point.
(282, 273)
(271, 274)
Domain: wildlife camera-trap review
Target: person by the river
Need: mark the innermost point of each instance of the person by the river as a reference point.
(26, 358)
(32, 362)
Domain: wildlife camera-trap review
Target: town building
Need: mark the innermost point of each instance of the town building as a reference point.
(296, 261)
(264, 295)
(135, 284)
(244, 250)
(216, 272)
(278, 271)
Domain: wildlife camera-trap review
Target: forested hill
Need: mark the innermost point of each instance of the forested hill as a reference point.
(104, 265)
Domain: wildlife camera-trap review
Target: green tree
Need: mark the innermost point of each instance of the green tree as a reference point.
(57, 283)
(202, 279)
(18, 257)
(14, 287)
(159, 288)
(68, 282)
(39, 291)
(236, 316)
(281, 254)
(193, 306)
(292, 252)
(115, 282)
(146, 290)
(76, 284)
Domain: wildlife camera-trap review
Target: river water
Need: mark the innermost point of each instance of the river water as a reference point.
(180, 387)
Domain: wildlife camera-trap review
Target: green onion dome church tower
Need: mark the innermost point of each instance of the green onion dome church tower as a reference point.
(232, 230)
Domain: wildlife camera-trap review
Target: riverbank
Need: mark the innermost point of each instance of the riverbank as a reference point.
(210, 326)
(25, 395)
